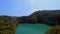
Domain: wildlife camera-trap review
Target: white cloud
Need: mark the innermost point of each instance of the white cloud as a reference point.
(33, 10)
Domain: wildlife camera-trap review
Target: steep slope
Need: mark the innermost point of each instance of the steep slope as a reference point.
(50, 17)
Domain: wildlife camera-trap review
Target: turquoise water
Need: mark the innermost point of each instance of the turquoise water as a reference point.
(31, 28)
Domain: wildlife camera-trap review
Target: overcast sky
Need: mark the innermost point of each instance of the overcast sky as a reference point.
(26, 7)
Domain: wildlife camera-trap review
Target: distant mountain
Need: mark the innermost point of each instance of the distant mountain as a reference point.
(50, 17)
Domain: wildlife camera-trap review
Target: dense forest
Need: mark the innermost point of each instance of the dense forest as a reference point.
(9, 23)
(49, 17)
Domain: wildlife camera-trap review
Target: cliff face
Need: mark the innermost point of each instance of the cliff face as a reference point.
(49, 17)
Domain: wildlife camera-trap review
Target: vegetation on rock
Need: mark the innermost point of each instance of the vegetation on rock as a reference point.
(53, 30)
(7, 24)
(49, 17)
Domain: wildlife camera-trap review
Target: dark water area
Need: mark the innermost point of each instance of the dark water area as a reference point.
(31, 28)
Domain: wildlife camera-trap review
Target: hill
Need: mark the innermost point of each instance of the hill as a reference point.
(49, 17)
(9, 23)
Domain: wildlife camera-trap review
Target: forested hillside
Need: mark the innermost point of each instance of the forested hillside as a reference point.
(9, 23)
(49, 17)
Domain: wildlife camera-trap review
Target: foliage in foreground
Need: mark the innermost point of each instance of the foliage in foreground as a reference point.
(53, 30)
(7, 25)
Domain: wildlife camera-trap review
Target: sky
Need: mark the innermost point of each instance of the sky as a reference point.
(26, 7)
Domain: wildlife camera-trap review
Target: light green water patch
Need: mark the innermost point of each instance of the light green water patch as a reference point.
(31, 28)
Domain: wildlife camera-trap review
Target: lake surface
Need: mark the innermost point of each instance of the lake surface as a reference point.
(31, 28)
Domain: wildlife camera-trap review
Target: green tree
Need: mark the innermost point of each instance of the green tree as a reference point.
(53, 30)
